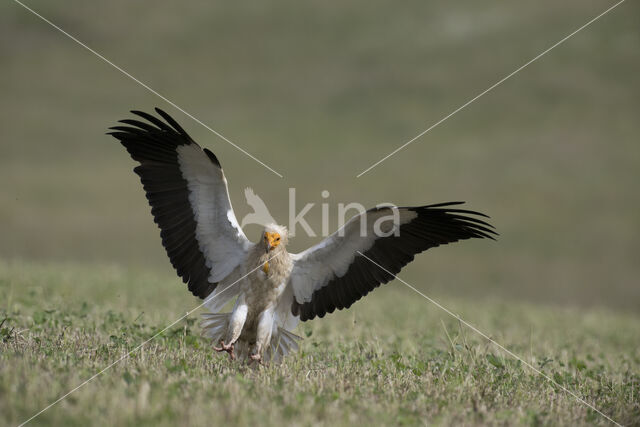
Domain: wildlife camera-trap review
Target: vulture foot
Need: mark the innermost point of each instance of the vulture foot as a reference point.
(256, 358)
(227, 348)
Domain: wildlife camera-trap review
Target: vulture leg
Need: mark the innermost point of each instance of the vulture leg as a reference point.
(263, 335)
(227, 348)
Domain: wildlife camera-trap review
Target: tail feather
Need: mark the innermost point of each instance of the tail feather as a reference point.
(214, 325)
(283, 342)
(241, 349)
(289, 339)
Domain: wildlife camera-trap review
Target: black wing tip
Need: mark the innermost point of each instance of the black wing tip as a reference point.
(172, 122)
(144, 115)
(169, 124)
(479, 229)
(483, 233)
(162, 113)
(439, 206)
(117, 134)
(443, 204)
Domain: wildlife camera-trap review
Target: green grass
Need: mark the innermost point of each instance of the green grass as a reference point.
(393, 359)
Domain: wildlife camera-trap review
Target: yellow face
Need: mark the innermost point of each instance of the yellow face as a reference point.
(271, 240)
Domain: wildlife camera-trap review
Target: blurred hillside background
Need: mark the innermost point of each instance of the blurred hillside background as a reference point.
(319, 92)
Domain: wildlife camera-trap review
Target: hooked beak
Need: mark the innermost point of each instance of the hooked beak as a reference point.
(271, 240)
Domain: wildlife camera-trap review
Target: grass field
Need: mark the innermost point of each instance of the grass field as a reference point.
(320, 91)
(392, 359)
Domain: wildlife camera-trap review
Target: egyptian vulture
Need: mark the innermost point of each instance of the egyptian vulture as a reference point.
(274, 289)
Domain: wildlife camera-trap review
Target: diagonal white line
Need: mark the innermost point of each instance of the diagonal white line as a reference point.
(490, 88)
(64, 396)
(173, 104)
(497, 344)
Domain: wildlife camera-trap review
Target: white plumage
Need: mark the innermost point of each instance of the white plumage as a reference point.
(273, 289)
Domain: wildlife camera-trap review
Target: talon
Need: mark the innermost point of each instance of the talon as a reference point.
(227, 348)
(255, 358)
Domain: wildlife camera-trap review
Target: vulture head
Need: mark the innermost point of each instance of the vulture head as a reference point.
(274, 238)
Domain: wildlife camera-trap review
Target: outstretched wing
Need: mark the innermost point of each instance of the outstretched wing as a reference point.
(333, 274)
(189, 200)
